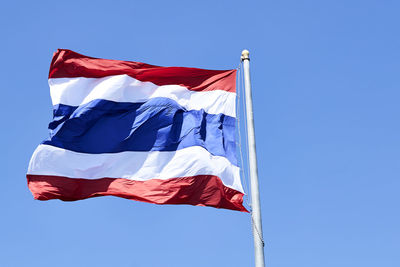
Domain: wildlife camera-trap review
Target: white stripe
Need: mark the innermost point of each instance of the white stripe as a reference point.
(134, 165)
(123, 88)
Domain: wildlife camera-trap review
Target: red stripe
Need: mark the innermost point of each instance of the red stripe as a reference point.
(201, 190)
(69, 64)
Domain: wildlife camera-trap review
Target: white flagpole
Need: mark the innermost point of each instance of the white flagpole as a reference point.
(255, 194)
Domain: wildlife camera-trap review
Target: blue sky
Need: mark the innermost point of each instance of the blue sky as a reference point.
(326, 88)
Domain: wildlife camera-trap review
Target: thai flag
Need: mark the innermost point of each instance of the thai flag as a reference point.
(163, 135)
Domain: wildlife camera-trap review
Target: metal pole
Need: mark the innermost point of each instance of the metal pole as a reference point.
(255, 194)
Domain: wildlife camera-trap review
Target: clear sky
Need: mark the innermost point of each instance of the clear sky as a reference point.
(326, 89)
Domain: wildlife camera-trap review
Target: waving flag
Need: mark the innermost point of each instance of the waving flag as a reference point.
(163, 135)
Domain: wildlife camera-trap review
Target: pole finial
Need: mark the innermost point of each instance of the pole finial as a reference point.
(245, 55)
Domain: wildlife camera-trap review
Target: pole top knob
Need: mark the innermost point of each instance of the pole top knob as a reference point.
(245, 55)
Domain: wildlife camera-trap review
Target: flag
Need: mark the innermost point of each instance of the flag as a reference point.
(163, 135)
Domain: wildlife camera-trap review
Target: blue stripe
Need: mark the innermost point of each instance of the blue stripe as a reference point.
(160, 124)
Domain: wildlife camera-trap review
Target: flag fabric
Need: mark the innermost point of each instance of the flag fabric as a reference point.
(163, 135)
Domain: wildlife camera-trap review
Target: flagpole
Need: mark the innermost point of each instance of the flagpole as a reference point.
(255, 194)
